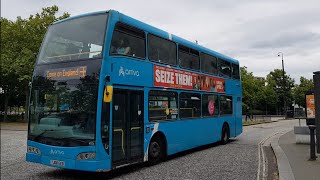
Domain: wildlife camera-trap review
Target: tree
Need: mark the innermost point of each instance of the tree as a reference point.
(258, 95)
(270, 99)
(282, 86)
(301, 89)
(247, 90)
(20, 43)
(250, 90)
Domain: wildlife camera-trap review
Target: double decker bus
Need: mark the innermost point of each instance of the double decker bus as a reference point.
(109, 91)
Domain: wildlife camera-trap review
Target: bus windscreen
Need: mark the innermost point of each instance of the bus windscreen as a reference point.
(63, 114)
(74, 39)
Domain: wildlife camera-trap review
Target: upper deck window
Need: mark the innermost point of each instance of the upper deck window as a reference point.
(162, 50)
(209, 64)
(128, 41)
(189, 58)
(224, 68)
(235, 71)
(74, 39)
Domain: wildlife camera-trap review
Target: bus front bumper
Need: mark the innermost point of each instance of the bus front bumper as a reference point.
(58, 162)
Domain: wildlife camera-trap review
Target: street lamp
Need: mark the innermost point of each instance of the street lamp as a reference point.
(284, 86)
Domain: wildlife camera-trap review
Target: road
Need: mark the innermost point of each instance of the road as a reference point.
(237, 160)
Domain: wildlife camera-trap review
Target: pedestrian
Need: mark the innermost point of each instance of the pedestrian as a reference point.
(247, 114)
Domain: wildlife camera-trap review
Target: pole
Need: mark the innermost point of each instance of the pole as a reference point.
(316, 81)
(284, 87)
(284, 90)
(312, 144)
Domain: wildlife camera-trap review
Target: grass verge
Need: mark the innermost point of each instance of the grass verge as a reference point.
(249, 123)
(14, 126)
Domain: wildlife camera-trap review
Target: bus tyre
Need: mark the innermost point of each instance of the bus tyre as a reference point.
(225, 135)
(155, 151)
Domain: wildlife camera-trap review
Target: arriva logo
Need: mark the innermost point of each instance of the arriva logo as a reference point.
(128, 72)
(121, 71)
(56, 152)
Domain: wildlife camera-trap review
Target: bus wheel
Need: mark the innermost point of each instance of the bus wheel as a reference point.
(155, 152)
(225, 134)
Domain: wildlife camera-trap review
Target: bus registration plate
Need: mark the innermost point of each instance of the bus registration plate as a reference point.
(57, 163)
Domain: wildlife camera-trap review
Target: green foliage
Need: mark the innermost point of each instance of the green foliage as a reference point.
(250, 90)
(268, 96)
(282, 86)
(301, 89)
(258, 96)
(20, 43)
(249, 87)
(22, 39)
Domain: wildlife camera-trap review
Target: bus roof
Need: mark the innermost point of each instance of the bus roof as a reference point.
(156, 31)
(81, 15)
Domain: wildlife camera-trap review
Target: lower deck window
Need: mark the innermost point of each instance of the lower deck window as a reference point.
(163, 105)
(190, 105)
(210, 105)
(226, 105)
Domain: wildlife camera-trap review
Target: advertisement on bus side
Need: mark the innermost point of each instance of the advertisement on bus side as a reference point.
(173, 78)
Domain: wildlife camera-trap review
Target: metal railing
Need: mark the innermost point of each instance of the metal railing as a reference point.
(262, 118)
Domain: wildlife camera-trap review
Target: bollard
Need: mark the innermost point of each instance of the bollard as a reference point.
(312, 143)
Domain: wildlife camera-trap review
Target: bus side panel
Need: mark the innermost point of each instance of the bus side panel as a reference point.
(127, 72)
(238, 115)
(186, 134)
(231, 122)
(234, 87)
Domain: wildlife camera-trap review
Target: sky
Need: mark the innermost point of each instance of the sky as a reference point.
(251, 31)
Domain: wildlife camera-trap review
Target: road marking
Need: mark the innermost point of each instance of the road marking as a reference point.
(262, 154)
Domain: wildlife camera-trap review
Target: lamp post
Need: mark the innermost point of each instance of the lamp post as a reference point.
(284, 87)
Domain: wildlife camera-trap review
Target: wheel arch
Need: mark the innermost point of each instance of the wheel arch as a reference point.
(226, 124)
(161, 135)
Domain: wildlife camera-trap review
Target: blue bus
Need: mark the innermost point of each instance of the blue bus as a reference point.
(109, 91)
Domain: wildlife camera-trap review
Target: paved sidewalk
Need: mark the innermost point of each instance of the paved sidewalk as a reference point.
(14, 126)
(298, 155)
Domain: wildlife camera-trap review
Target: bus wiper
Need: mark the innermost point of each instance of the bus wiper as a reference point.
(74, 138)
(42, 133)
(82, 141)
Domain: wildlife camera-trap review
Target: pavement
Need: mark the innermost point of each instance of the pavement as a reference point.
(293, 159)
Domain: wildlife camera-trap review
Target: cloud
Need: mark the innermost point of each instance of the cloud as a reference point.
(290, 39)
(252, 31)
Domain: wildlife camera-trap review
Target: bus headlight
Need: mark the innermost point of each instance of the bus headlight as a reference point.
(34, 150)
(86, 156)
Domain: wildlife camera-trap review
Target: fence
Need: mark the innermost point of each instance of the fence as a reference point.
(262, 118)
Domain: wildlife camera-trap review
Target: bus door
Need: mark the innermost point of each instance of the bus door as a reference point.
(127, 120)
